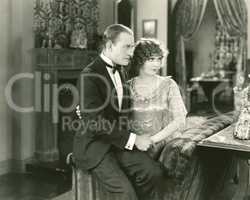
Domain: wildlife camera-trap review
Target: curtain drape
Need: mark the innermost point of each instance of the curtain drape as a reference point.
(189, 17)
(233, 16)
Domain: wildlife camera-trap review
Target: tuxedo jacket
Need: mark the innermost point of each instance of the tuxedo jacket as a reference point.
(103, 124)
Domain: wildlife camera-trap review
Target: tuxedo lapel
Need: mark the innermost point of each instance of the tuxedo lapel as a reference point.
(100, 68)
(126, 94)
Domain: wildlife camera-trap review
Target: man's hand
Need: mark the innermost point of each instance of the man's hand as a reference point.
(143, 142)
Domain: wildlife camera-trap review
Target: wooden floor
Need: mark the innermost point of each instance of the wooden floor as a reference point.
(27, 187)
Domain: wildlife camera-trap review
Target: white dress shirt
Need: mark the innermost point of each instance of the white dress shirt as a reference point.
(115, 77)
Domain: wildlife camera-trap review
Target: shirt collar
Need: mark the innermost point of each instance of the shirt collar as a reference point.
(106, 59)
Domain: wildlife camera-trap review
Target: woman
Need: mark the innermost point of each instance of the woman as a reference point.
(157, 110)
(157, 105)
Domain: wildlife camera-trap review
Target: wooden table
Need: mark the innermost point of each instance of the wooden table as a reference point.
(225, 140)
(209, 84)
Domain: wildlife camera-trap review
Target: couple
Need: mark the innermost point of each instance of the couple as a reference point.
(123, 159)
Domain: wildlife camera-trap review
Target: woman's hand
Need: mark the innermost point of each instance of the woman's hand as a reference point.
(143, 142)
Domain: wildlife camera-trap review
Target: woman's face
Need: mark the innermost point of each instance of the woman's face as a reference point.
(151, 66)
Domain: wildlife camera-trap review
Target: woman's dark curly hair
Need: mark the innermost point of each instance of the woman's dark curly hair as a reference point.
(145, 48)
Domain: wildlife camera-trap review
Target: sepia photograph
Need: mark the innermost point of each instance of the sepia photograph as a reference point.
(125, 100)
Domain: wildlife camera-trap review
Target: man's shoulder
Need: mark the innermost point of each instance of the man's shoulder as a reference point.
(168, 80)
(92, 67)
(88, 69)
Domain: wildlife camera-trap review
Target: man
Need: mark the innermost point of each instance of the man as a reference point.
(105, 146)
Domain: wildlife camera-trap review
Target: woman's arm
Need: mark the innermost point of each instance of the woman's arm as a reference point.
(177, 110)
(176, 125)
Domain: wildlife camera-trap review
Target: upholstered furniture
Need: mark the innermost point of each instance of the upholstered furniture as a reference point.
(193, 174)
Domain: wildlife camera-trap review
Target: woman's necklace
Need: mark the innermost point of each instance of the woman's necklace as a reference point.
(146, 87)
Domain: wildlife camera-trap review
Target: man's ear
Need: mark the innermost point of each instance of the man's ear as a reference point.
(109, 45)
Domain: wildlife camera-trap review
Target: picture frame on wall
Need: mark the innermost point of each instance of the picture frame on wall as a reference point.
(149, 28)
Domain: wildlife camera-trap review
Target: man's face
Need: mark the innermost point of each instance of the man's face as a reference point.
(122, 49)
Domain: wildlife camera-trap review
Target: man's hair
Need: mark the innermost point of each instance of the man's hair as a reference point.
(145, 48)
(112, 32)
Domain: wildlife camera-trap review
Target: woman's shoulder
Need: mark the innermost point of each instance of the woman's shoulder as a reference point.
(130, 81)
(162, 82)
(167, 80)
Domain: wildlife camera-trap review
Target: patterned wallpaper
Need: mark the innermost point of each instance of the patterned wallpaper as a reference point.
(65, 23)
